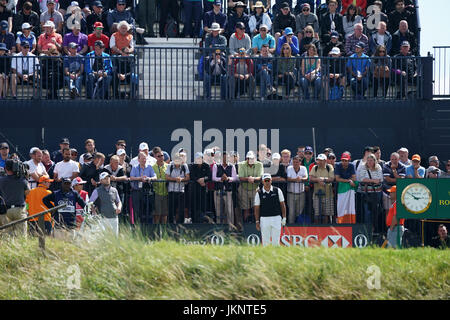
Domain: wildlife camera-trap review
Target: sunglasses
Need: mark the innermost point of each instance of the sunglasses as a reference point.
(382, 51)
(160, 156)
(331, 158)
(267, 180)
(121, 4)
(286, 48)
(304, 10)
(122, 145)
(308, 31)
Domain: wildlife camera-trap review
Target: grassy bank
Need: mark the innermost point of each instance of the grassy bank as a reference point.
(133, 268)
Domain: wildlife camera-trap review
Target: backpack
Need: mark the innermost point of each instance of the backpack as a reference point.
(327, 166)
(171, 29)
(336, 93)
(183, 169)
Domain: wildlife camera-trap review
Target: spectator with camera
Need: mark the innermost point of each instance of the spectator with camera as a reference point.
(216, 73)
(13, 189)
(264, 71)
(24, 68)
(99, 69)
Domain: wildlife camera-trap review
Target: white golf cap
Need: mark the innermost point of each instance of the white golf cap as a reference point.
(32, 150)
(321, 157)
(26, 25)
(276, 156)
(215, 27)
(335, 50)
(121, 152)
(266, 176)
(104, 175)
(250, 155)
(198, 155)
(403, 149)
(143, 146)
(49, 23)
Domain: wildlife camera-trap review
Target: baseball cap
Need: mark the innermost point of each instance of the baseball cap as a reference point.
(240, 25)
(26, 25)
(87, 156)
(432, 169)
(143, 146)
(217, 3)
(288, 31)
(74, 3)
(335, 50)
(321, 157)
(50, 1)
(66, 180)
(73, 45)
(308, 149)
(4, 145)
(98, 24)
(405, 44)
(416, 157)
(198, 155)
(97, 4)
(276, 156)
(104, 175)
(345, 156)
(360, 44)
(327, 150)
(266, 176)
(250, 155)
(334, 34)
(73, 150)
(99, 43)
(331, 155)
(263, 26)
(392, 189)
(64, 141)
(285, 5)
(77, 181)
(45, 179)
(49, 23)
(3, 47)
(121, 2)
(25, 44)
(121, 152)
(4, 25)
(32, 150)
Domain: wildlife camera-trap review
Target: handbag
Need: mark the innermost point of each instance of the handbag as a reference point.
(381, 72)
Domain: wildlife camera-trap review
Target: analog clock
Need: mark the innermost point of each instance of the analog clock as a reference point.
(416, 198)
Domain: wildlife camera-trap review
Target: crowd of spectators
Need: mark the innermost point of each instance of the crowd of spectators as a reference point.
(366, 35)
(67, 44)
(220, 187)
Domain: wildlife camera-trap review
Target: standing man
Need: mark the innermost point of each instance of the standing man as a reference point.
(35, 205)
(89, 146)
(177, 173)
(13, 190)
(57, 155)
(4, 154)
(160, 188)
(322, 175)
(403, 153)
(270, 212)
(297, 175)
(37, 169)
(107, 200)
(67, 168)
(250, 173)
(150, 161)
(391, 220)
(345, 175)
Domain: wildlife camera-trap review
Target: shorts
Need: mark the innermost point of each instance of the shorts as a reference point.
(327, 206)
(161, 205)
(246, 198)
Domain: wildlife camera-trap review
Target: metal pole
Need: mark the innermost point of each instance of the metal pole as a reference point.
(314, 142)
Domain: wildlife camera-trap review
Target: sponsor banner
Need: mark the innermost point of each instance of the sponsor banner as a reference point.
(341, 236)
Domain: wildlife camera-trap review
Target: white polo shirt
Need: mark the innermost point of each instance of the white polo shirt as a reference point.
(39, 169)
(296, 187)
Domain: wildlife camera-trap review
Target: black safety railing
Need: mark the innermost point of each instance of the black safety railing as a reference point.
(203, 74)
(441, 72)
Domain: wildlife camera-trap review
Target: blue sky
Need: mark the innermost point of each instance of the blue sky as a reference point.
(435, 22)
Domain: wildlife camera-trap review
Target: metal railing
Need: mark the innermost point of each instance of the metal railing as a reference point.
(189, 74)
(441, 72)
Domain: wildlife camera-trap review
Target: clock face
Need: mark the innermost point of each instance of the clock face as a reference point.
(416, 198)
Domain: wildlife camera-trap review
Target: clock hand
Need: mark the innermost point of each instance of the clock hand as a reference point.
(415, 198)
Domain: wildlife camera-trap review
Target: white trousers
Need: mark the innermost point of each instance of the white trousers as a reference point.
(270, 230)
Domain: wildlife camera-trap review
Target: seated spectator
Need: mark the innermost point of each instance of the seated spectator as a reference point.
(214, 38)
(264, 71)
(243, 75)
(380, 37)
(215, 15)
(376, 15)
(381, 70)
(78, 37)
(216, 73)
(237, 16)
(356, 37)
(446, 174)
(433, 162)
(6, 14)
(49, 37)
(442, 240)
(267, 5)
(358, 67)
(415, 170)
(120, 13)
(52, 72)
(26, 35)
(403, 34)
(359, 5)
(334, 73)
(310, 73)
(74, 17)
(121, 42)
(239, 40)
(331, 21)
(232, 4)
(125, 74)
(52, 15)
(263, 38)
(26, 15)
(97, 15)
(290, 39)
(5, 69)
(279, 5)
(24, 70)
(98, 35)
(350, 19)
(98, 69)
(43, 6)
(309, 37)
(334, 42)
(306, 18)
(399, 14)
(405, 70)
(286, 70)
(285, 19)
(259, 18)
(7, 37)
(73, 70)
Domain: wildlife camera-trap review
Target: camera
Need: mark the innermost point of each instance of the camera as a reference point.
(19, 169)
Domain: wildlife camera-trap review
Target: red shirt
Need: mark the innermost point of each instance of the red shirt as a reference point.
(393, 212)
(93, 37)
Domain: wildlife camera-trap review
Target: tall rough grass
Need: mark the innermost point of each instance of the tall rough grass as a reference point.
(132, 267)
